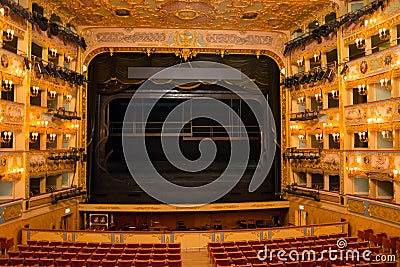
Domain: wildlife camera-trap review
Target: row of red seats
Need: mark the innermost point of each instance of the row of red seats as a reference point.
(101, 244)
(94, 256)
(310, 264)
(380, 239)
(33, 262)
(74, 249)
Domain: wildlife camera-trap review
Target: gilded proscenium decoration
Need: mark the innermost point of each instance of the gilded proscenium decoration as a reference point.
(220, 14)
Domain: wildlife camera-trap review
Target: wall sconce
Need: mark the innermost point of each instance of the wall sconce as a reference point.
(384, 34)
(362, 89)
(51, 94)
(318, 97)
(317, 57)
(75, 126)
(8, 35)
(68, 59)
(319, 137)
(336, 137)
(353, 170)
(7, 85)
(360, 43)
(6, 137)
(301, 100)
(395, 174)
(385, 83)
(42, 123)
(33, 137)
(35, 91)
(5, 11)
(363, 136)
(53, 52)
(67, 137)
(68, 98)
(51, 138)
(300, 62)
(387, 135)
(17, 172)
(302, 137)
(374, 120)
(222, 52)
(370, 21)
(335, 94)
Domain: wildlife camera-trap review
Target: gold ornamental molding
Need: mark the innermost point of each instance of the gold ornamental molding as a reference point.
(171, 208)
(12, 212)
(384, 213)
(183, 42)
(356, 206)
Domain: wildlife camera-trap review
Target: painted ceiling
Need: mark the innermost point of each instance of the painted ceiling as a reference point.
(263, 15)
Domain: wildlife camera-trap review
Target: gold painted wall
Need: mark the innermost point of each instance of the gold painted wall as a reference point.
(43, 218)
(320, 213)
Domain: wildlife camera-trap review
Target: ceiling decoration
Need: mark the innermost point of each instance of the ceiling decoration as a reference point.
(221, 14)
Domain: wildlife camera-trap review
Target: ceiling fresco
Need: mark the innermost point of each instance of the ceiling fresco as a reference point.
(227, 15)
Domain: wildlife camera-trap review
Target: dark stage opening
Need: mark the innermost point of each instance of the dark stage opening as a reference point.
(109, 180)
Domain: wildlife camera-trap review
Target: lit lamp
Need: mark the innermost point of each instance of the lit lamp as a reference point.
(51, 138)
(68, 98)
(353, 170)
(67, 137)
(318, 97)
(42, 123)
(300, 62)
(317, 57)
(33, 137)
(319, 137)
(385, 83)
(6, 137)
(335, 94)
(336, 137)
(7, 85)
(384, 34)
(8, 35)
(52, 94)
(301, 100)
(363, 136)
(53, 52)
(301, 137)
(362, 89)
(35, 91)
(68, 59)
(396, 174)
(387, 135)
(360, 43)
(370, 21)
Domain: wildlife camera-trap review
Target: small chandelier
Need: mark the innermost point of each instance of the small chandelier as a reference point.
(370, 21)
(8, 35)
(363, 137)
(7, 85)
(33, 137)
(317, 57)
(335, 94)
(387, 135)
(360, 43)
(6, 137)
(300, 62)
(319, 137)
(396, 173)
(52, 94)
(51, 138)
(301, 137)
(35, 91)
(42, 123)
(67, 137)
(53, 52)
(68, 98)
(384, 34)
(336, 137)
(318, 97)
(362, 89)
(68, 59)
(75, 126)
(385, 82)
(301, 100)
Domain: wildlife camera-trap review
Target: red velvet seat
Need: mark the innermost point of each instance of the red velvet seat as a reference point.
(41, 254)
(132, 245)
(174, 263)
(106, 245)
(46, 262)
(43, 243)
(111, 256)
(239, 261)
(109, 263)
(48, 248)
(124, 263)
(142, 263)
(93, 263)
(143, 256)
(16, 254)
(174, 251)
(83, 256)
(80, 244)
(54, 255)
(308, 263)
(61, 262)
(77, 263)
(31, 261)
(119, 245)
(159, 256)
(146, 245)
(158, 263)
(23, 247)
(116, 250)
(27, 254)
(128, 256)
(98, 256)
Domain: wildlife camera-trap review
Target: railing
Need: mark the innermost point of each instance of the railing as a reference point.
(372, 208)
(189, 240)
